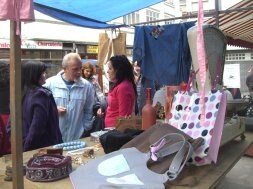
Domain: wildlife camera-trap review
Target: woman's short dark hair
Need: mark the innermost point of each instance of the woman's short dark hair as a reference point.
(123, 69)
(31, 73)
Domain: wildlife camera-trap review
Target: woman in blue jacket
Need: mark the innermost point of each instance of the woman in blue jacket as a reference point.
(39, 112)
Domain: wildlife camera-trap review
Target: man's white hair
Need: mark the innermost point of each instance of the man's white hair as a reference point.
(69, 56)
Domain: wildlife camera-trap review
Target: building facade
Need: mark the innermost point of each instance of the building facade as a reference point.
(244, 59)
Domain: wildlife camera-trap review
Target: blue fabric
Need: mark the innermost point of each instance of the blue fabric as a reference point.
(93, 61)
(164, 57)
(73, 19)
(92, 14)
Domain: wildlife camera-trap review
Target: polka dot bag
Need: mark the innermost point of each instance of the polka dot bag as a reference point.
(185, 115)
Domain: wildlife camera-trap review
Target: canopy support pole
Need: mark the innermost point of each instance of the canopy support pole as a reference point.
(15, 107)
(217, 9)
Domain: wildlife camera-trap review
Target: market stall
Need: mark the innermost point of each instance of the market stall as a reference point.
(81, 18)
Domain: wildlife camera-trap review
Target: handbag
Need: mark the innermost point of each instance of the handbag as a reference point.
(128, 168)
(109, 47)
(186, 115)
(113, 140)
(133, 122)
(202, 114)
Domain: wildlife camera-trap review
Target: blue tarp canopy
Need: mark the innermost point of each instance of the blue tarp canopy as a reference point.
(93, 61)
(91, 13)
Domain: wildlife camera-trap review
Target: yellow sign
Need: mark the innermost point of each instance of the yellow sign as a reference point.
(92, 49)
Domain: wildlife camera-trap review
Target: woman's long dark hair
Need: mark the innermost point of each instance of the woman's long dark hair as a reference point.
(123, 69)
(31, 73)
(4, 74)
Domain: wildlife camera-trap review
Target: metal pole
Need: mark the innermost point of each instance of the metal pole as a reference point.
(217, 8)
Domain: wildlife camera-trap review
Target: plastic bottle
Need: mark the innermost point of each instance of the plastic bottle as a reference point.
(148, 112)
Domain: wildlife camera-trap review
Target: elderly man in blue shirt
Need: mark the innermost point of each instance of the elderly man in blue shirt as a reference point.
(74, 97)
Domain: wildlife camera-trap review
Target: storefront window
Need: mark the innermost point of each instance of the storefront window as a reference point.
(53, 67)
(45, 54)
(5, 54)
(56, 54)
(53, 59)
(30, 54)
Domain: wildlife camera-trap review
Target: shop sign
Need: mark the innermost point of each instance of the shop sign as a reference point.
(29, 44)
(92, 49)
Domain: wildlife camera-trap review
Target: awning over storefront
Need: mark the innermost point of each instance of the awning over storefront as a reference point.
(237, 25)
(91, 13)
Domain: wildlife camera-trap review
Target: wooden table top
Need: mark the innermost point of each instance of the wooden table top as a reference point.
(207, 176)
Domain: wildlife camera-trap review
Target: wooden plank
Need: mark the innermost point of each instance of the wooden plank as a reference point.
(15, 107)
(209, 176)
(100, 77)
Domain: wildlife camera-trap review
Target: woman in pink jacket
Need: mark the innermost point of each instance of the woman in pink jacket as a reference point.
(122, 93)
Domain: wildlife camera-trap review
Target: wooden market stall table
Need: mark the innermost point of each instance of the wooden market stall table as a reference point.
(207, 176)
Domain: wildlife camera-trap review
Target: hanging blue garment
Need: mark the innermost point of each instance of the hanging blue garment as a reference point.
(163, 52)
